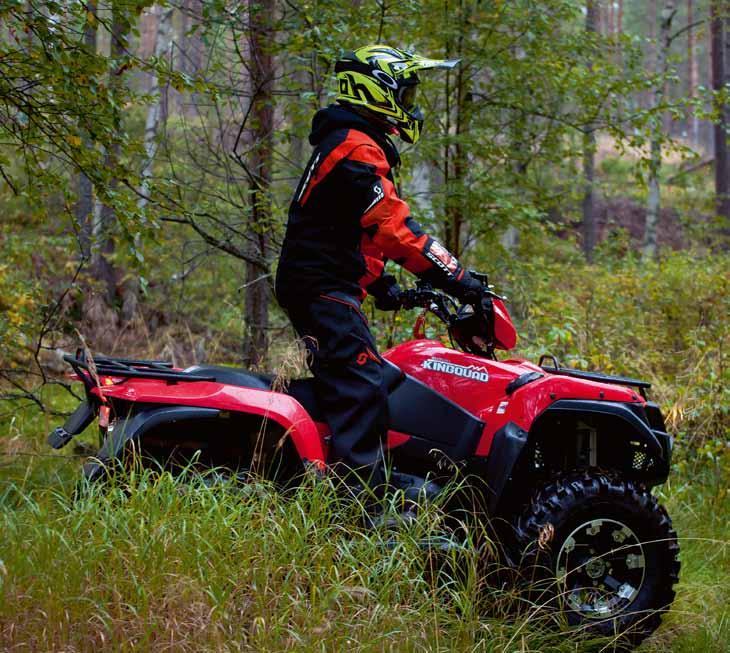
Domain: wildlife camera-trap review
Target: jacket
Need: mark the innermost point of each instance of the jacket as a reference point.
(346, 218)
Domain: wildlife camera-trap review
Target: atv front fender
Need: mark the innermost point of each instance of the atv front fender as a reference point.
(623, 429)
(625, 414)
(627, 420)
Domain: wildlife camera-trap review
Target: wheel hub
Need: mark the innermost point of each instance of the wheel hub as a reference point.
(600, 568)
(595, 568)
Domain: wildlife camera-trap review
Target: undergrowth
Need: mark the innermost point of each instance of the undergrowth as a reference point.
(149, 565)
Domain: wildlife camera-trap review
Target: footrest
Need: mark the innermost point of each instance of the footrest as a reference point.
(59, 437)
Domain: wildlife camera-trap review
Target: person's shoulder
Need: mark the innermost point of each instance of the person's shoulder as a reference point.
(363, 147)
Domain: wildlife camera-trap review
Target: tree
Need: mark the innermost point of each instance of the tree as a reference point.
(722, 121)
(692, 72)
(104, 229)
(653, 206)
(589, 151)
(84, 206)
(258, 294)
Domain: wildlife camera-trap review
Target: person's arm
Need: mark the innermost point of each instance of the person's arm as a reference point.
(386, 221)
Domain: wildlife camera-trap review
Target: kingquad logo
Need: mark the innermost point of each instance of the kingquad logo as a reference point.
(467, 372)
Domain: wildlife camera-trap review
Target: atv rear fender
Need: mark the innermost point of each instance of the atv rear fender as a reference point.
(575, 433)
(135, 426)
(183, 403)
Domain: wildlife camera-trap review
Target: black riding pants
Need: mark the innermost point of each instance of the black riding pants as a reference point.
(348, 372)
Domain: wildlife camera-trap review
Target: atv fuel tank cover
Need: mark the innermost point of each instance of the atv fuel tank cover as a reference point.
(522, 379)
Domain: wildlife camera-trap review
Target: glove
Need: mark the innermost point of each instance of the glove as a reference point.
(467, 290)
(386, 293)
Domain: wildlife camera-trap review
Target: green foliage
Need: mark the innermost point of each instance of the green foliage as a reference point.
(663, 320)
(148, 564)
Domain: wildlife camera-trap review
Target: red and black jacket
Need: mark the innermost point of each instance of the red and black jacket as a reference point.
(346, 218)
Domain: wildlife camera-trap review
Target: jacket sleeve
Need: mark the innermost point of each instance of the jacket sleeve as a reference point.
(386, 220)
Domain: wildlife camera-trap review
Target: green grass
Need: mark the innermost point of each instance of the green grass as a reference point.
(149, 565)
(152, 566)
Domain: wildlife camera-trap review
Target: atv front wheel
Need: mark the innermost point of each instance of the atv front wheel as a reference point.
(603, 551)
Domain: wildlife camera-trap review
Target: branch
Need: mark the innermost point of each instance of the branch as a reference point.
(693, 168)
(686, 28)
(10, 183)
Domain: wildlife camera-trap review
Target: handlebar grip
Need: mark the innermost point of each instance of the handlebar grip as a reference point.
(413, 298)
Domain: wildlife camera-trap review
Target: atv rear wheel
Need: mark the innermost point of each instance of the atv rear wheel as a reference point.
(602, 551)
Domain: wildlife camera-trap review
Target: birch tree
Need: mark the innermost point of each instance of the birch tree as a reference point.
(653, 205)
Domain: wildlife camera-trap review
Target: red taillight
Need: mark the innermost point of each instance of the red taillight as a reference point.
(104, 417)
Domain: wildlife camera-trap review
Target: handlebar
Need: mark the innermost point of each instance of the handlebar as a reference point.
(470, 325)
(419, 297)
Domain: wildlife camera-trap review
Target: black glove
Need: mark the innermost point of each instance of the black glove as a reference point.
(386, 293)
(467, 290)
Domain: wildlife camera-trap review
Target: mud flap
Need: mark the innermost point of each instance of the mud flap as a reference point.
(75, 424)
(506, 449)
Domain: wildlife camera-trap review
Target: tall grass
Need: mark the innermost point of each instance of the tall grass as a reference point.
(146, 563)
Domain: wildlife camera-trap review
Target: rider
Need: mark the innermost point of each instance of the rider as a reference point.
(345, 221)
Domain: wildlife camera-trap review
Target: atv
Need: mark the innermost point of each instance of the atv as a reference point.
(567, 458)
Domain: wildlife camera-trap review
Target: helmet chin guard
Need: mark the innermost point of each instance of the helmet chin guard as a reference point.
(382, 81)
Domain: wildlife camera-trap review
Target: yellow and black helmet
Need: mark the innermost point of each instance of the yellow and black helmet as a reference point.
(381, 81)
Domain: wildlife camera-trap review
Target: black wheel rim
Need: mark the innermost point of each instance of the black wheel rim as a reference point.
(600, 568)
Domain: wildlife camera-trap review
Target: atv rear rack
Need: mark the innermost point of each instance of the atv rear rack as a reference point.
(643, 386)
(126, 368)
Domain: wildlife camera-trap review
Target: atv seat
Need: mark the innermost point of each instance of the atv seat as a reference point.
(303, 390)
(233, 376)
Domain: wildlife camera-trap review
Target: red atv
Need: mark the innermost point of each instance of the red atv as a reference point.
(567, 458)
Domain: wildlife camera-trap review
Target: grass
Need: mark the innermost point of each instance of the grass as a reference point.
(149, 565)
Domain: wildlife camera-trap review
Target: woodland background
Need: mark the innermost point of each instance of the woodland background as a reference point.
(148, 153)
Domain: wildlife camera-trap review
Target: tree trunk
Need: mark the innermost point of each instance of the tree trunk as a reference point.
(600, 17)
(619, 32)
(653, 49)
(84, 207)
(692, 73)
(589, 152)
(653, 206)
(258, 288)
(610, 18)
(191, 53)
(456, 209)
(104, 227)
(718, 8)
(162, 45)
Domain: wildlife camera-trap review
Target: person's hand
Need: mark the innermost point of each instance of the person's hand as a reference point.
(386, 293)
(467, 290)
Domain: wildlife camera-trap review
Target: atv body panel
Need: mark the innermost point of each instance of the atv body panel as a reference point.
(486, 388)
(444, 406)
(539, 439)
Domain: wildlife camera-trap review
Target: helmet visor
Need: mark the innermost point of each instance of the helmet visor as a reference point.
(407, 96)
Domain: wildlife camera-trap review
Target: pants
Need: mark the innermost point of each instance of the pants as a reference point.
(348, 372)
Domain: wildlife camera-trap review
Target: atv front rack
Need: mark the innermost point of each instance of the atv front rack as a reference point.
(126, 368)
(555, 368)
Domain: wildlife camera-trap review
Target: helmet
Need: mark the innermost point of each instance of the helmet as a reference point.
(380, 82)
